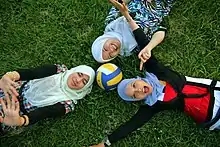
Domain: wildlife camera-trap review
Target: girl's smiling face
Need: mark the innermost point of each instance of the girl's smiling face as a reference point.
(111, 49)
(77, 80)
(138, 89)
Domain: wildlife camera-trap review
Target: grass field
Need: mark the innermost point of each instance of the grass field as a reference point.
(39, 32)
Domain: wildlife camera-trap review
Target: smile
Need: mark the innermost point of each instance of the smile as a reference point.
(145, 89)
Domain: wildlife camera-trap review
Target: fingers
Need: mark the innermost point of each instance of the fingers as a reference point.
(6, 94)
(141, 65)
(8, 103)
(14, 84)
(3, 105)
(116, 3)
(13, 91)
(1, 119)
(17, 106)
(13, 103)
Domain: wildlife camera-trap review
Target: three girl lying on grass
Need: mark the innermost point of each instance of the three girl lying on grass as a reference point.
(52, 91)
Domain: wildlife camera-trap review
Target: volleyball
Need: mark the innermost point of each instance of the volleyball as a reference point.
(108, 76)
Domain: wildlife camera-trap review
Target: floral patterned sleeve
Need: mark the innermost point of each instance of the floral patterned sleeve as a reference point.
(61, 68)
(69, 105)
(112, 15)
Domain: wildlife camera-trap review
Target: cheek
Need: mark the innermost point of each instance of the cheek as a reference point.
(105, 55)
(69, 82)
(140, 96)
(80, 85)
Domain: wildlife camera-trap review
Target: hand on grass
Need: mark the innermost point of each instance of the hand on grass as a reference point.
(11, 112)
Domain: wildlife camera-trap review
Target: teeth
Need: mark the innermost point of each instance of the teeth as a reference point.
(114, 46)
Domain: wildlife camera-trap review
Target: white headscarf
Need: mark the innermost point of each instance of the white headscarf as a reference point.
(120, 30)
(53, 89)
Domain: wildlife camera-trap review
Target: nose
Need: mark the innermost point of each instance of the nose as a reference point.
(112, 49)
(138, 90)
(80, 79)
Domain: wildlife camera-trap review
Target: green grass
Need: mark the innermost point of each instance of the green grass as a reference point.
(33, 33)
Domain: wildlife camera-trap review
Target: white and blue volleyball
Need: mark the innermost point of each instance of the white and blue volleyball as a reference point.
(108, 76)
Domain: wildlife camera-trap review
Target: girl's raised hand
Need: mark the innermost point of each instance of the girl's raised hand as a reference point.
(144, 55)
(120, 4)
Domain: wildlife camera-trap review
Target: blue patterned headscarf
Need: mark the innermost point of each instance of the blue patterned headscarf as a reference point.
(150, 79)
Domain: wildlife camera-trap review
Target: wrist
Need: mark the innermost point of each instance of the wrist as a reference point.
(21, 121)
(148, 48)
(128, 17)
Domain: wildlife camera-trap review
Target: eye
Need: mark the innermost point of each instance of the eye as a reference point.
(134, 97)
(133, 85)
(85, 81)
(80, 74)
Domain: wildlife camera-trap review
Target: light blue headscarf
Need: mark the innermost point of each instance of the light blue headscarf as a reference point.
(150, 79)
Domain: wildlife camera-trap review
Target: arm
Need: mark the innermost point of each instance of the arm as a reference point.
(52, 111)
(7, 82)
(152, 65)
(12, 117)
(124, 11)
(143, 115)
(36, 73)
(113, 14)
(156, 39)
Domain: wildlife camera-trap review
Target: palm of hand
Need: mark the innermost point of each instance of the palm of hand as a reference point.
(11, 118)
(10, 111)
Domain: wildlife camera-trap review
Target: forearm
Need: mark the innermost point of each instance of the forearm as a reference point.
(144, 114)
(38, 72)
(51, 111)
(131, 21)
(156, 39)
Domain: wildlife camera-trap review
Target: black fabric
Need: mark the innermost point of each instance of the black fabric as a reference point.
(143, 115)
(36, 73)
(51, 111)
(212, 100)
